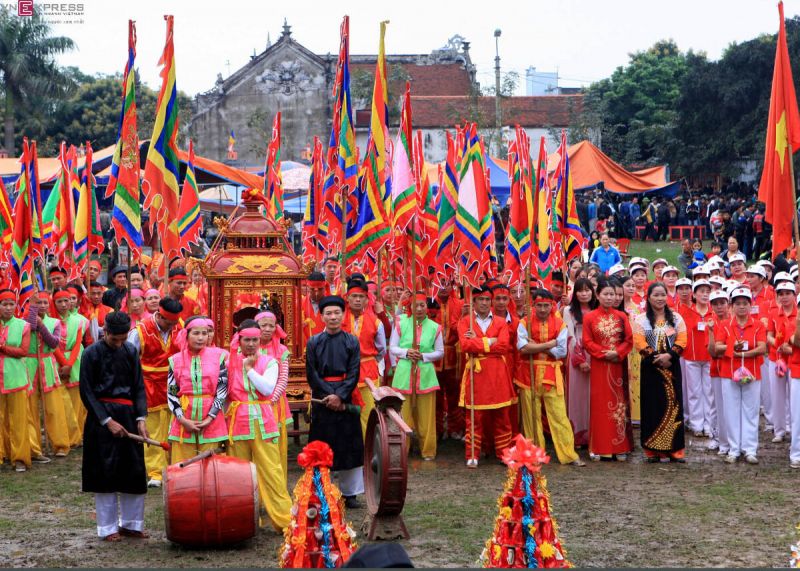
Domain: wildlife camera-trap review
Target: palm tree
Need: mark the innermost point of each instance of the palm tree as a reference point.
(28, 71)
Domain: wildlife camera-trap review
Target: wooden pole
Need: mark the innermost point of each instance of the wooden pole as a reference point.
(128, 276)
(414, 339)
(471, 376)
(342, 276)
(529, 304)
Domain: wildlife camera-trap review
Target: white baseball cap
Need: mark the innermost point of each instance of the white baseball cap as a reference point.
(719, 280)
(758, 270)
(785, 286)
(660, 261)
(737, 257)
(765, 263)
(615, 269)
(718, 294)
(731, 285)
(782, 277)
(699, 283)
(637, 261)
(741, 292)
(703, 270)
(716, 259)
(683, 282)
(668, 269)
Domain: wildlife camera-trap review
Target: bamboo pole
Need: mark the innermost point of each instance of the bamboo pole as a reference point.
(471, 375)
(414, 339)
(529, 304)
(343, 189)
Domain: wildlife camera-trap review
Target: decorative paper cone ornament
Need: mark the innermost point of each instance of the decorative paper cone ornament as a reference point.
(525, 533)
(318, 535)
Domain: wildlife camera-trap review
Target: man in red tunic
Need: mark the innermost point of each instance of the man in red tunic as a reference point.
(501, 297)
(154, 340)
(312, 317)
(95, 312)
(486, 388)
(178, 282)
(447, 369)
(363, 324)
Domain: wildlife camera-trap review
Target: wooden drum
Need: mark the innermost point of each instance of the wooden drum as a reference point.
(212, 502)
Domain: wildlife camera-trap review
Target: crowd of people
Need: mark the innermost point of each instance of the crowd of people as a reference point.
(729, 212)
(704, 350)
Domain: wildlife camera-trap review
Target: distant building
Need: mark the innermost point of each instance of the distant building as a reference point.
(288, 77)
(541, 82)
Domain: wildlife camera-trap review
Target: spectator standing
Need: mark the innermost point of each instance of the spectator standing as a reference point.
(663, 216)
(635, 213)
(606, 255)
(686, 256)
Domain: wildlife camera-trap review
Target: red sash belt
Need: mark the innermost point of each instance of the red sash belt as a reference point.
(355, 397)
(117, 401)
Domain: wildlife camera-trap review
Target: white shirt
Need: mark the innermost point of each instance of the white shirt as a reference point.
(484, 322)
(557, 352)
(133, 337)
(401, 353)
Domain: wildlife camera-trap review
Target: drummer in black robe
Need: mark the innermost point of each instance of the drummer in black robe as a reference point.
(112, 390)
(333, 360)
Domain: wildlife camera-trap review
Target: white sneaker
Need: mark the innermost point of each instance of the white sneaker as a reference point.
(722, 452)
(794, 464)
(594, 457)
(622, 457)
(751, 459)
(777, 438)
(712, 445)
(153, 483)
(41, 459)
(20, 467)
(730, 459)
(472, 463)
(768, 428)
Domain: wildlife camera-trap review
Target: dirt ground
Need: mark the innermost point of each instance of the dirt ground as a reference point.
(703, 513)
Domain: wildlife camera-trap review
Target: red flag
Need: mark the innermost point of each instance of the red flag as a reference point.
(783, 139)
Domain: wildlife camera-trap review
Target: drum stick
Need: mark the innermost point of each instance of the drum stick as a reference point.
(351, 408)
(148, 441)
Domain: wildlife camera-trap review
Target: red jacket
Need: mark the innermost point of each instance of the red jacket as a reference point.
(492, 383)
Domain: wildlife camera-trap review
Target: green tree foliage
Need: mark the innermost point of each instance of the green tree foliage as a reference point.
(30, 80)
(697, 115)
(636, 106)
(91, 113)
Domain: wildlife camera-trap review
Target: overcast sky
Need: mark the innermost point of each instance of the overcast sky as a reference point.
(585, 40)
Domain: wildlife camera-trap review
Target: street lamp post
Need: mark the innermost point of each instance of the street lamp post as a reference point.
(497, 118)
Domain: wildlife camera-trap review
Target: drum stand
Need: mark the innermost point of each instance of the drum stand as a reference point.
(385, 466)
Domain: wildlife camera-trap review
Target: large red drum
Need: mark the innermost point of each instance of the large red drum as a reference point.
(212, 502)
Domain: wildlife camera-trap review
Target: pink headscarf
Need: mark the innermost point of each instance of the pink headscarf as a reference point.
(135, 292)
(182, 339)
(274, 345)
(152, 291)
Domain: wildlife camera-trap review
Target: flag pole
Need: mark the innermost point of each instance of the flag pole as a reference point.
(471, 375)
(414, 339)
(529, 319)
(342, 189)
(794, 199)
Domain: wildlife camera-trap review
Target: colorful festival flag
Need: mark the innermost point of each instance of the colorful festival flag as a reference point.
(447, 206)
(161, 171)
(403, 187)
(379, 124)
(273, 181)
(543, 228)
(38, 238)
(312, 245)
(6, 222)
(473, 218)
(426, 225)
(123, 184)
(341, 176)
(189, 222)
(367, 228)
(64, 220)
(776, 189)
(518, 233)
(88, 234)
(572, 236)
(21, 251)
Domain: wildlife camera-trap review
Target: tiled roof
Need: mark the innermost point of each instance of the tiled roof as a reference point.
(533, 111)
(435, 79)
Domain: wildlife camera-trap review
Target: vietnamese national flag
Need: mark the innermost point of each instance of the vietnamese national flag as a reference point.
(783, 132)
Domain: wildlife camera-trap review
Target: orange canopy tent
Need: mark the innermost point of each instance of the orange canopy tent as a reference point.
(591, 168)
